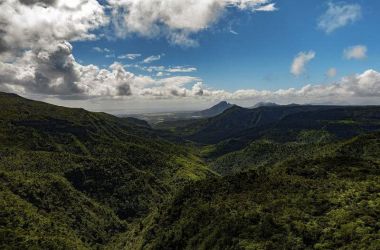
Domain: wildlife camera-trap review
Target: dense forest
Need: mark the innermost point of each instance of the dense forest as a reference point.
(271, 177)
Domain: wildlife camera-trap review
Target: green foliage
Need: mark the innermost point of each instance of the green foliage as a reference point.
(57, 206)
(75, 179)
(330, 201)
(279, 123)
(24, 227)
(293, 177)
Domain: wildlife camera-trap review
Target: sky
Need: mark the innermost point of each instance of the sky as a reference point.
(136, 56)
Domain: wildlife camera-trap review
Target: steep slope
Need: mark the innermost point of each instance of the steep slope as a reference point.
(89, 173)
(170, 119)
(45, 211)
(294, 177)
(240, 139)
(252, 123)
(295, 135)
(188, 119)
(214, 110)
(328, 201)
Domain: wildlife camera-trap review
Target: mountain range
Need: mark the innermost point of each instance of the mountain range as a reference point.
(271, 177)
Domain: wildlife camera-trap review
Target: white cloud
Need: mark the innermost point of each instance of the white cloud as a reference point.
(331, 72)
(170, 87)
(181, 69)
(355, 52)
(129, 56)
(98, 49)
(37, 35)
(153, 68)
(109, 53)
(268, 7)
(339, 15)
(32, 24)
(300, 62)
(101, 50)
(151, 59)
(36, 55)
(163, 69)
(233, 32)
(54, 71)
(176, 20)
(360, 86)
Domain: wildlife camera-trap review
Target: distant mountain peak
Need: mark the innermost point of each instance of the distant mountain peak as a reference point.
(214, 110)
(265, 104)
(222, 103)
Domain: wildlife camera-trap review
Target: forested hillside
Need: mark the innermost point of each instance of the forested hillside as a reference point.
(71, 177)
(274, 177)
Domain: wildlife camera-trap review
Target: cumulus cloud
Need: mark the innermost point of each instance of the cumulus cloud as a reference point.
(49, 71)
(54, 71)
(170, 87)
(40, 60)
(300, 62)
(339, 15)
(38, 23)
(364, 85)
(331, 72)
(357, 52)
(175, 20)
(115, 81)
(36, 55)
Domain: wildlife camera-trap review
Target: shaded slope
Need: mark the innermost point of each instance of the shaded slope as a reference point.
(45, 211)
(251, 123)
(214, 110)
(329, 201)
(90, 172)
(295, 135)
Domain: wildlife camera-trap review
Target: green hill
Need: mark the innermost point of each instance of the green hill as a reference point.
(238, 122)
(329, 201)
(276, 177)
(72, 172)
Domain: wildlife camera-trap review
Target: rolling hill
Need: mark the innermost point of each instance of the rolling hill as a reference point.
(240, 122)
(328, 200)
(273, 177)
(71, 177)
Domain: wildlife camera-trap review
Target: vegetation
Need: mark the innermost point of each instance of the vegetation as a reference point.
(273, 177)
(328, 202)
(71, 177)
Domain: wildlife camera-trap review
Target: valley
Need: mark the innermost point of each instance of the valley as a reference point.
(270, 177)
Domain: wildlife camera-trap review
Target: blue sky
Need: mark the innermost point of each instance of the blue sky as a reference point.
(156, 55)
(260, 53)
